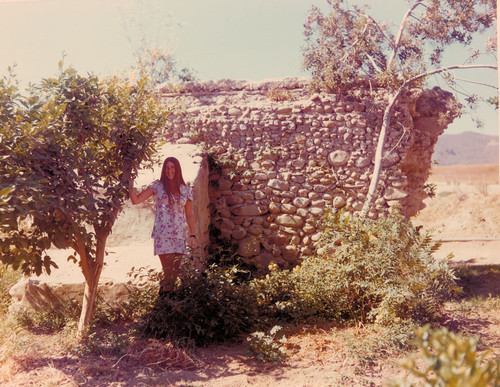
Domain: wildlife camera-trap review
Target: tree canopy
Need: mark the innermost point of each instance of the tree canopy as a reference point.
(348, 44)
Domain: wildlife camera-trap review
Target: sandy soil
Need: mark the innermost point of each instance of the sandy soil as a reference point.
(467, 219)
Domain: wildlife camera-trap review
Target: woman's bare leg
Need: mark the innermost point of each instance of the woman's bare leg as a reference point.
(170, 264)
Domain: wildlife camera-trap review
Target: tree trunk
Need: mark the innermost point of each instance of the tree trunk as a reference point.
(91, 269)
(379, 154)
(88, 304)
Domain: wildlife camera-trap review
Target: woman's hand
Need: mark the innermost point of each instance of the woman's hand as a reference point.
(131, 190)
(192, 241)
(137, 198)
(130, 183)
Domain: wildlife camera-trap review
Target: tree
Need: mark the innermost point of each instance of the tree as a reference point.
(150, 32)
(68, 150)
(348, 44)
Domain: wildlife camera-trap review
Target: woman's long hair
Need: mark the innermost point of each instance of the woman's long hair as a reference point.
(172, 187)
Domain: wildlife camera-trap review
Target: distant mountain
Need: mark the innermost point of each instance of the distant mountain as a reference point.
(466, 148)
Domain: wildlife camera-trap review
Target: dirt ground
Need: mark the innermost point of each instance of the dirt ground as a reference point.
(465, 216)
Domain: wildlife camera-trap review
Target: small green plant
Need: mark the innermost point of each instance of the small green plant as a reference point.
(232, 174)
(430, 189)
(8, 277)
(226, 162)
(49, 320)
(103, 342)
(197, 135)
(248, 174)
(450, 359)
(140, 301)
(268, 347)
(279, 93)
(267, 153)
(377, 342)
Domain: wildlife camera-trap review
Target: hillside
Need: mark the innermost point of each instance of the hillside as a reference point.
(466, 148)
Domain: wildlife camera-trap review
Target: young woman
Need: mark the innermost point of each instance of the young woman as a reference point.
(173, 210)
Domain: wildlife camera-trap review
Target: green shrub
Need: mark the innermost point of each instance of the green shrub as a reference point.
(368, 270)
(51, 319)
(378, 271)
(212, 306)
(141, 301)
(450, 359)
(103, 342)
(377, 342)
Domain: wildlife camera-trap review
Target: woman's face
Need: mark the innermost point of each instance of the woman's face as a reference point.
(170, 170)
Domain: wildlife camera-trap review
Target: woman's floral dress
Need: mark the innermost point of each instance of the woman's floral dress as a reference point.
(169, 231)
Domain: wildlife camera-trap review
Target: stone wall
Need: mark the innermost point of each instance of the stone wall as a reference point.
(282, 155)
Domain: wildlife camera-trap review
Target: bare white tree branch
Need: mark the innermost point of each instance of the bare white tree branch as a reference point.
(396, 44)
(447, 68)
(476, 83)
(372, 60)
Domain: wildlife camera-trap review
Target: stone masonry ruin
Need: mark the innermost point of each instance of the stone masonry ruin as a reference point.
(283, 155)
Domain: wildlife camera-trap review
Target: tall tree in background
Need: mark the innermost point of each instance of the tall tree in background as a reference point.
(348, 43)
(67, 151)
(151, 33)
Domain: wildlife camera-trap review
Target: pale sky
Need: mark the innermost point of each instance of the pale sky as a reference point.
(235, 39)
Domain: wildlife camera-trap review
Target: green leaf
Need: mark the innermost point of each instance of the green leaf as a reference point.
(5, 191)
(59, 241)
(72, 258)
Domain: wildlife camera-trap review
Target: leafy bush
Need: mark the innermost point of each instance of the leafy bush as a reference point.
(367, 270)
(377, 342)
(49, 320)
(450, 360)
(206, 307)
(103, 342)
(141, 300)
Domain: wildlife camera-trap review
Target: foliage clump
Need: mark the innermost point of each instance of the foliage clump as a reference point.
(381, 271)
(279, 94)
(213, 306)
(378, 271)
(49, 320)
(268, 347)
(450, 359)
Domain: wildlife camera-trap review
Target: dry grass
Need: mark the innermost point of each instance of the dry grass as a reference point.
(160, 355)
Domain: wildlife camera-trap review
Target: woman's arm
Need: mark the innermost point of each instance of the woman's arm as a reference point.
(137, 198)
